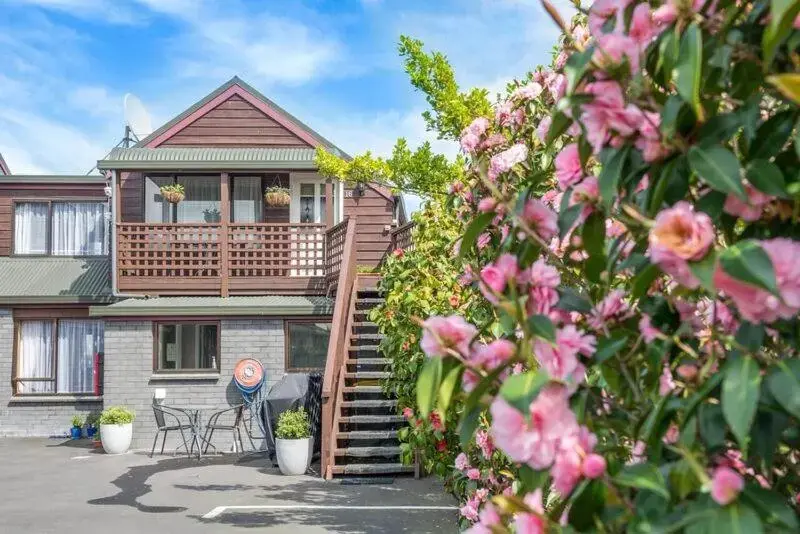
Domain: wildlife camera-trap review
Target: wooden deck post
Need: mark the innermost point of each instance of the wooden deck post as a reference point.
(329, 207)
(225, 218)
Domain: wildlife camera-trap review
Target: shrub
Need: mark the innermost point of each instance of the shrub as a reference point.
(77, 421)
(116, 415)
(293, 424)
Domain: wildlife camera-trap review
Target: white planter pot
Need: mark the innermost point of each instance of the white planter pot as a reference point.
(116, 439)
(294, 455)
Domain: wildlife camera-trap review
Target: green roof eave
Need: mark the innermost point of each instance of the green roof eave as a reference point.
(57, 299)
(201, 165)
(51, 179)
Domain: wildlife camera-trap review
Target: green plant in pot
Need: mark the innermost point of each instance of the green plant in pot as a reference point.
(91, 425)
(77, 424)
(294, 442)
(277, 196)
(116, 429)
(173, 193)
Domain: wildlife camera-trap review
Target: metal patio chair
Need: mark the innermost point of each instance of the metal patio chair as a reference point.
(235, 427)
(167, 413)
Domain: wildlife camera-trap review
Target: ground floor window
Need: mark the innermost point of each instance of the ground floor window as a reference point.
(192, 346)
(57, 356)
(307, 345)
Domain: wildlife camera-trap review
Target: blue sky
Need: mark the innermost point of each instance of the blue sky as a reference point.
(66, 64)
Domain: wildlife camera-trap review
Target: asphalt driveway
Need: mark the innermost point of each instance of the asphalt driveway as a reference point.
(53, 486)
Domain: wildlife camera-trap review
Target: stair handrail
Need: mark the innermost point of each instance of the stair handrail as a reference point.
(336, 344)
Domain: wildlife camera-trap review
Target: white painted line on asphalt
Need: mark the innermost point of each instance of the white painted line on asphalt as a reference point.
(219, 510)
(80, 457)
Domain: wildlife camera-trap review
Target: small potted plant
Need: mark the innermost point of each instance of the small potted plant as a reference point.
(293, 443)
(212, 215)
(116, 429)
(277, 196)
(173, 193)
(91, 425)
(77, 424)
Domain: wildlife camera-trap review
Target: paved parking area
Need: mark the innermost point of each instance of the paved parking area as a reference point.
(50, 486)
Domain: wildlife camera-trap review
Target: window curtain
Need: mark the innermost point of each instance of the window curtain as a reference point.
(248, 204)
(156, 209)
(202, 202)
(79, 229)
(35, 354)
(30, 228)
(78, 342)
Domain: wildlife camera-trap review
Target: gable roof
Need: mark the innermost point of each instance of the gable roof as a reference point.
(54, 280)
(236, 86)
(4, 166)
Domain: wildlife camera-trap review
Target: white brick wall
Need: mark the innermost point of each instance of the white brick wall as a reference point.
(24, 419)
(129, 361)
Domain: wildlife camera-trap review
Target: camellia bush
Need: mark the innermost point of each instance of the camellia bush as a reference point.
(632, 216)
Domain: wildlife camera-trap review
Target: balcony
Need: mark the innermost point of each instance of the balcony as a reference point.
(223, 259)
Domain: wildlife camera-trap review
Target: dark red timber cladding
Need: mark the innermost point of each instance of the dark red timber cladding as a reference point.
(375, 212)
(132, 205)
(235, 123)
(11, 192)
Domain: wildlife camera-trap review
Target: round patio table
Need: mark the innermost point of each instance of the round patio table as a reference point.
(195, 412)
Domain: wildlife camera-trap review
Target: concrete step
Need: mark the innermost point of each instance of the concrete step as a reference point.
(366, 452)
(363, 389)
(364, 348)
(384, 403)
(354, 419)
(367, 434)
(366, 375)
(368, 361)
(368, 303)
(371, 469)
(375, 338)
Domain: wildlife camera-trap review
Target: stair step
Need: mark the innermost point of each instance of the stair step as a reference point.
(371, 419)
(368, 374)
(366, 452)
(367, 434)
(368, 361)
(363, 389)
(369, 469)
(384, 403)
(364, 348)
(365, 324)
(372, 301)
(370, 337)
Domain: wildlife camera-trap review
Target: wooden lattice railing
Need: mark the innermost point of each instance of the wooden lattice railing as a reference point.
(335, 240)
(401, 237)
(265, 249)
(168, 250)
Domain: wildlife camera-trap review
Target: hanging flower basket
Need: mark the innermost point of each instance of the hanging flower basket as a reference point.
(173, 193)
(277, 197)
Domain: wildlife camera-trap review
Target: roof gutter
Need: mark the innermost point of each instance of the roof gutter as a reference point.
(207, 165)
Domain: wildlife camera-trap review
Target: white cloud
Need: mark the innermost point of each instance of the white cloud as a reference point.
(113, 12)
(97, 101)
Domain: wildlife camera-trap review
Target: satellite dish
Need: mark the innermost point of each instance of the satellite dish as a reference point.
(136, 117)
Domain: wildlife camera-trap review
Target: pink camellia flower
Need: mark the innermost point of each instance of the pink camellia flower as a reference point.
(687, 371)
(502, 113)
(494, 277)
(672, 435)
(540, 218)
(470, 509)
(532, 438)
(504, 161)
(649, 140)
(726, 484)
(544, 128)
(408, 413)
(398, 253)
(614, 48)
(680, 235)
(557, 86)
(542, 280)
(436, 421)
(602, 10)
(572, 338)
(462, 462)
(478, 126)
(474, 474)
(568, 166)
(492, 355)
(493, 141)
(593, 466)
(568, 467)
(607, 113)
(484, 441)
(446, 333)
(483, 240)
(531, 523)
(642, 29)
(757, 305)
(638, 453)
(560, 362)
(487, 204)
(469, 142)
(470, 380)
(666, 384)
(665, 14)
(612, 307)
(752, 209)
(648, 331)
(527, 92)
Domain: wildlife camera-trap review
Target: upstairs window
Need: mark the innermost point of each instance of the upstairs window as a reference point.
(60, 228)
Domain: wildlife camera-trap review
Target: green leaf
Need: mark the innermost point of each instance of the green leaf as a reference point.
(770, 506)
(740, 394)
(703, 270)
(712, 425)
(784, 384)
(594, 234)
(771, 136)
(468, 424)
(567, 218)
(719, 168)
(788, 84)
(688, 70)
(746, 261)
(449, 387)
(532, 479)
(587, 504)
(719, 129)
(643, 280)
(472, 232)
(576, 67)
(571, 300)
(683, 480)
(701, 394)
(735, 518)
(643, 476)
(609, 346)
(647, 433)
(782, 15)
(541, 326)
(750, 336)
(766, 177)
(558, 126)
(610, 175)
(520, 390)
(428, 385)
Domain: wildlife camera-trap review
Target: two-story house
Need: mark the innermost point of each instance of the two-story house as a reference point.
(109, 291)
